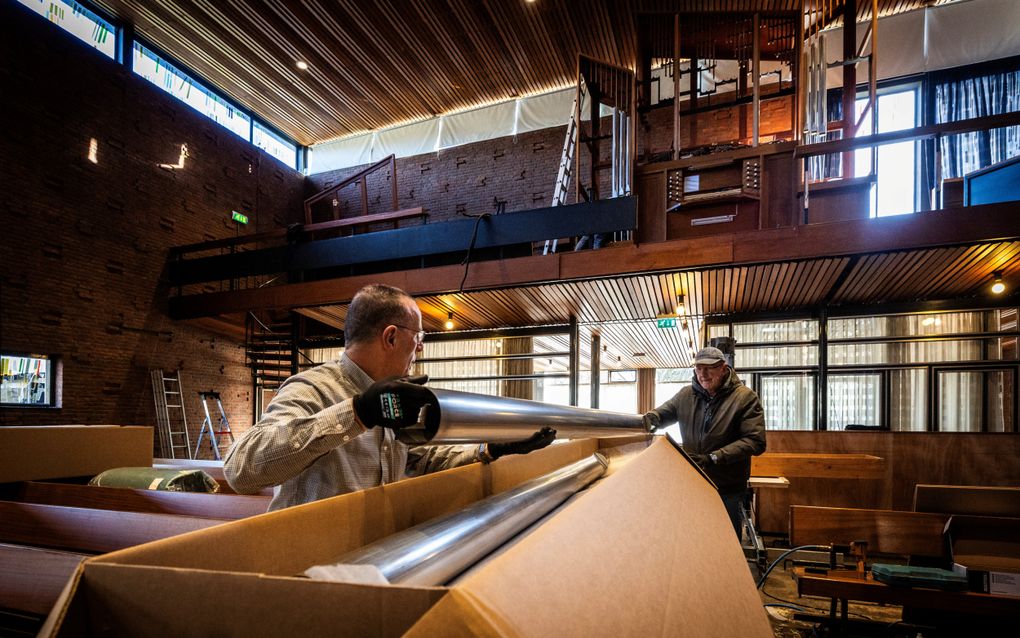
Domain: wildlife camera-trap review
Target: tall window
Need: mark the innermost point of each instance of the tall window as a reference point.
(896, 188)
(155, 69)
(80, 22)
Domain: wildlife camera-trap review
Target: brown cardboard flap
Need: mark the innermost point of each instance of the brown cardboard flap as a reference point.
(56, 451)
(289, 541)
(459, 615)
(647, 551)
(131, 600)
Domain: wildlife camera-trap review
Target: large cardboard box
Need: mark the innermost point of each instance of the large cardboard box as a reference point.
(986, 550)
(57, 451)
(647, 550)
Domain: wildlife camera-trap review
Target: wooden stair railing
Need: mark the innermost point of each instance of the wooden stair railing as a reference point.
(360, 177)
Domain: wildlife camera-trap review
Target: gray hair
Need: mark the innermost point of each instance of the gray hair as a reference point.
(374, 307)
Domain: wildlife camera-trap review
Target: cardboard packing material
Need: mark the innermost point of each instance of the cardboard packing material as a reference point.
(648, 550)
(986, 550)
(57, 451)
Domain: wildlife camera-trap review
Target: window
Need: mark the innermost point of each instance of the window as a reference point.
(27, 380)
(80, 22)
(155, 69)
(894, 192)
(274, 144)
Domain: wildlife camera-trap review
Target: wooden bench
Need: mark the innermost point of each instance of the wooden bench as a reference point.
(802, 465)
(968, 499)
(31, 579)
(89, 530)
(886, 531)
(219, 506)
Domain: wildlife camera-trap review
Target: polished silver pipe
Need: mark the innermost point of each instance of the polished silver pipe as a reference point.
(436, 551)
(464, 417)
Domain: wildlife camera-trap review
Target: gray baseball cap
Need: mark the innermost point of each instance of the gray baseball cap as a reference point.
(709, 356)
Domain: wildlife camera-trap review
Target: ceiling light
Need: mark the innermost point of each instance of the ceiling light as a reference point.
(997, 286)
(301, 64)
(680, 305)
(449, 321)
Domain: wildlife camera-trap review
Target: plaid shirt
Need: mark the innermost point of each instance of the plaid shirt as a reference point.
(309, 443)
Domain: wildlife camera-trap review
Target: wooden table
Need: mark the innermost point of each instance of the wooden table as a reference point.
(845, 585)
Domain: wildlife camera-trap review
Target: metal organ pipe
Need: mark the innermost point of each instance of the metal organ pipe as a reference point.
(436, 551)
(464, 417)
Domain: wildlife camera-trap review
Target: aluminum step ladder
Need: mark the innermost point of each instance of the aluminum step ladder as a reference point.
(215, 436)
(566, 170)
(171, 420)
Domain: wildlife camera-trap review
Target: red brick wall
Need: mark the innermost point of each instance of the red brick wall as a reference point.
(85, 244)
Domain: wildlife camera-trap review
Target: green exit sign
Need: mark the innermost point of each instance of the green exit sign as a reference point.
(238, 217)
(668, 322)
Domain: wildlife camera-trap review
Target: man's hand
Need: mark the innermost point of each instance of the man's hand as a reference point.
(536, 441)
(702, 460)
(393, 402)
(651, 421)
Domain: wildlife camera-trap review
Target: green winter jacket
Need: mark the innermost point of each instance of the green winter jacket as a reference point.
(731, 425)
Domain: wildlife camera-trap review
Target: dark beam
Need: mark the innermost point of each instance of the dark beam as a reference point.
(448, 237)
(990, 222)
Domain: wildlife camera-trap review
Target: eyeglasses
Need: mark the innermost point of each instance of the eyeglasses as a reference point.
(419, 335)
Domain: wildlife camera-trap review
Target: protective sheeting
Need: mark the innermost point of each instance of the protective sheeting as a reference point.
(405, 141)
(969, 32)
(478, 124)
(933, 39)
(351, 151)
(545, 111)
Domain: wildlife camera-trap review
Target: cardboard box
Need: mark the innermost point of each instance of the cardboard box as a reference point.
(647, 550)
(57, 451)
(987, 551)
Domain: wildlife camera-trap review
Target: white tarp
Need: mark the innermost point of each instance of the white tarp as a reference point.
(351, 151)
(545, 111)
(478, 124)
(405, 141)
(933, 39)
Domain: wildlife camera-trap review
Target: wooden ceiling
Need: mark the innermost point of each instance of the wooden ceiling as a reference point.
(377, 63)
(623, 309)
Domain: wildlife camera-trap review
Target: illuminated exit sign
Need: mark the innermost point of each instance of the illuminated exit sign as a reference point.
(665, 322)
(238, 217)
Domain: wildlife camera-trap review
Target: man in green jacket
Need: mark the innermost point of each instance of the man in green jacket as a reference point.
(722, 425)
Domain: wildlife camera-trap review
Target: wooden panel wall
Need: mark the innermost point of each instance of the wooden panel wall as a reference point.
(912, 457)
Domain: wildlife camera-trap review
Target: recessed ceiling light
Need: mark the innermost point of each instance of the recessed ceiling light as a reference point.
(301, 64)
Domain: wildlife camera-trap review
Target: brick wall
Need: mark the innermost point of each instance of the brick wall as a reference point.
(85, 243)
(522, 171)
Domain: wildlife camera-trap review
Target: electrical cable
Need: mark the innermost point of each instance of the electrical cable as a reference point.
(765, 575)
(471, 247)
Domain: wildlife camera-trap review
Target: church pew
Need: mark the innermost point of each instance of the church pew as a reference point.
(886, 531)
(89, 530)
(225, 506)
(31, 579)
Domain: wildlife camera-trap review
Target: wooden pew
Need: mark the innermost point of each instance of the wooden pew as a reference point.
(31, 579)
(224, 506)
(89, 530)
(799, 464)
(968, 499)
(886, 531)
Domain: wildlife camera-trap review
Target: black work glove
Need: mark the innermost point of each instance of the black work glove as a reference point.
(702, 460)
(536, 441)
(651, 421)
(393, 402)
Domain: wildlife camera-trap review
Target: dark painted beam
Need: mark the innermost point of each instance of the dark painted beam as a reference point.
(493, 231)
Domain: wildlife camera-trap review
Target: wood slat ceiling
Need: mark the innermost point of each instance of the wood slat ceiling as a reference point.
(623, 309)
(376, 63)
